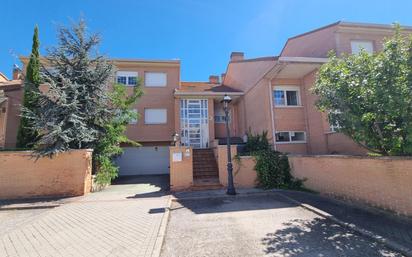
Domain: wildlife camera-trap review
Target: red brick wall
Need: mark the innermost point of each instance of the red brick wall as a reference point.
(66, 174)
(383, 182)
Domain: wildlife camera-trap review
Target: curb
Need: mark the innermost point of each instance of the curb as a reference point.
(30, 207)
(224, 196)
(157, 249)
(385, 241)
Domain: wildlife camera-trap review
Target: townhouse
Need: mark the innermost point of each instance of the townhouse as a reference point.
(11, 95)
(268, 94)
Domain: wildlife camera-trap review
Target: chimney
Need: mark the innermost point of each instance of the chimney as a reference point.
(222, 77)
(236, 56)
(16, 72)
(213, 79)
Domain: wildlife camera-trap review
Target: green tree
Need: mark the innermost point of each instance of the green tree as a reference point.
(370, 96)
(76, 107)
(26, 136)
(81, 109)
(108, 146)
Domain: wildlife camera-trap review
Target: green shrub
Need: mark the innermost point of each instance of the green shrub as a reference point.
(273, 171)
(256, 142)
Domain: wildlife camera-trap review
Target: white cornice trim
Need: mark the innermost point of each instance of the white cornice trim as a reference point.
(303, 59)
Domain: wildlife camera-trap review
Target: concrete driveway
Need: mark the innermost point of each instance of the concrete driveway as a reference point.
(123, 220)
(268, 225)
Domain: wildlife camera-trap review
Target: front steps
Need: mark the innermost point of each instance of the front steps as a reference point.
(205, 170)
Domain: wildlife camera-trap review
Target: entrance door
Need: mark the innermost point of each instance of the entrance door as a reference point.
(194, 123)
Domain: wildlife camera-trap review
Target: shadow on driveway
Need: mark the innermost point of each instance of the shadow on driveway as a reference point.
(234, 204)
(319, 237)
(264, 225)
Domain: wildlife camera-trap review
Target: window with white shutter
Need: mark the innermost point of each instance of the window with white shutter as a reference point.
(155, 79)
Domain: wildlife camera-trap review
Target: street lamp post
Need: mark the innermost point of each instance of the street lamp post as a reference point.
(230, 186)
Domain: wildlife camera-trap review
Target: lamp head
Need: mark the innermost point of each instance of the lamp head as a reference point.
(227, 99)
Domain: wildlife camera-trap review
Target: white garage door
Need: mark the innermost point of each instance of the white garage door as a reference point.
(145, 160)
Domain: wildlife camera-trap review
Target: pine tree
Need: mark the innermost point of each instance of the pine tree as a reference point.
(76, 106)
(26, 136)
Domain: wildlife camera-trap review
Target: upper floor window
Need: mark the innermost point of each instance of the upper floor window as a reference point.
(357, 45)
(155, 116)
(128, 78)
(286, 96)
(155, 79)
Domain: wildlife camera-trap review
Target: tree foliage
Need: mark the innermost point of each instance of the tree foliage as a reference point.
(76, 107)
(108, 146)
(256, 142)
(370, 96)
(26, 136)
(82, 108)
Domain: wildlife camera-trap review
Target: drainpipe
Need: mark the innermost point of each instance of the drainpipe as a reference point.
(272, 115)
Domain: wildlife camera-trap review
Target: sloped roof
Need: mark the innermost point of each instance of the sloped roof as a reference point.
(224, 88)
(196, 86)
(205, 87)
(3, 77)
(243, 75)
(11, 84)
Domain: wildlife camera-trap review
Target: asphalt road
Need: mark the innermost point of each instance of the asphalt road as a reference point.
(259, 226)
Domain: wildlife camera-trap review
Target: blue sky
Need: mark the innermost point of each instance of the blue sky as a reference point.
(200, 33)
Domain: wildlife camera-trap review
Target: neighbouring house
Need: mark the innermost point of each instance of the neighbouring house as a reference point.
(11, 94)
(269, 94)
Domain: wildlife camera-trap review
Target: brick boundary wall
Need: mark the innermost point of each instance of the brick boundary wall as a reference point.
(181, 171)
(66, 174)
(244, 174)
(384, 182)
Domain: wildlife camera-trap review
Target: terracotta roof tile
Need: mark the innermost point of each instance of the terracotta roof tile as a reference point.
(224, 88)
(205, 87)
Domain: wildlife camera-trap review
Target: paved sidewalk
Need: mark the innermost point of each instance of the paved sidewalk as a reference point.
(383, 224)
(123, 220)
(265, 224)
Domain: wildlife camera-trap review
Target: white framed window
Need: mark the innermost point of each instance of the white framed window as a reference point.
(219, 118)
(155, 116)
(134, 121)
(334, 127)
(290, 137)
(357, 45)
(128, 78)
(286, 96)
(155, 79)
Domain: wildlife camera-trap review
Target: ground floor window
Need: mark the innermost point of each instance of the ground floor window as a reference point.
(220, 116)
(290, 137)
